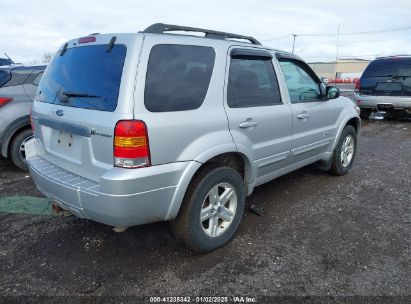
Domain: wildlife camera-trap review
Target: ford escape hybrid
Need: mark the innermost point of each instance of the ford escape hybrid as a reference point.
(154, 126)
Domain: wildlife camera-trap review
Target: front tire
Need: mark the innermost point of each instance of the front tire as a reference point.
(17, 148)
(344, 152)
(211, 210)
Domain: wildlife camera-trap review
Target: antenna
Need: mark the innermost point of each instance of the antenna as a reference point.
(9, 57)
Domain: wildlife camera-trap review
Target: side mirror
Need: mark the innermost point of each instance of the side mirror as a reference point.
(332, 92)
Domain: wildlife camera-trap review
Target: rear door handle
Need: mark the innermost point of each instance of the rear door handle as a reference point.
(303, 115)
(249, 123)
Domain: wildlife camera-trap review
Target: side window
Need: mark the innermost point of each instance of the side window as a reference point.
(178, 77)
(251, 83)
(17, 78)
(301, 86)
(36, 80)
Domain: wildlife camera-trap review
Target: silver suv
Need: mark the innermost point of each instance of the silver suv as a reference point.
(153, 126)
(18, 86)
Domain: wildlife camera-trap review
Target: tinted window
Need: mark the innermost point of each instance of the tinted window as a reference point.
(17, 77)
(4, 77)
(251, 83)
(84, 77)
(4, 61)
(178, 77)
(34, 78)
(301, 86)
(389, 67)
(37, 79)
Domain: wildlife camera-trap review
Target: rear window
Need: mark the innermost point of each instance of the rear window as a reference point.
(389, 67)
(178, 77)
(84, 77)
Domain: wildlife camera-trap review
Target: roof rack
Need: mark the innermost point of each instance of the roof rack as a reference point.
(161, 28)
(391, 56)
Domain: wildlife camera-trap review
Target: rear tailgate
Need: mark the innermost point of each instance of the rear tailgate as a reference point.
(84, 91)
(387, 77)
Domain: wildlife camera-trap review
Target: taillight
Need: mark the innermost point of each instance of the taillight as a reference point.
(358, 85)
(131, 148)
(31, 121)
(5, 100)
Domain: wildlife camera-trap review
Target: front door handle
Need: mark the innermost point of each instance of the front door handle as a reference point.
(304, 115)
(249, 123)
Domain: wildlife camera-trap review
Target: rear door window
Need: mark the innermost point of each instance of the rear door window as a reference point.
(84, 77)
(252, 83)
(178, 77)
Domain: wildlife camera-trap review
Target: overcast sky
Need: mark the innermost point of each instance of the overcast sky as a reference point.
(31, 28)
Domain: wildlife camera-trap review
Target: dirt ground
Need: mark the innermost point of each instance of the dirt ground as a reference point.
(321, 236)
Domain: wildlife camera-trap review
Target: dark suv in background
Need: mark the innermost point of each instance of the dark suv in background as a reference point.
(18, 86)
(385, 85)
(5, 61)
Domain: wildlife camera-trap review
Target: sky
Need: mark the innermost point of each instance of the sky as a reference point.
(28, 29)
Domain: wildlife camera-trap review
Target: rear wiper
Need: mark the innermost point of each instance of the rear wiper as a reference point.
(79, 94)
(400, 76)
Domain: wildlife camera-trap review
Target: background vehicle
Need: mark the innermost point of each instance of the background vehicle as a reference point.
(18, 85)
(5, 61)
(182, 128)
(385, 85)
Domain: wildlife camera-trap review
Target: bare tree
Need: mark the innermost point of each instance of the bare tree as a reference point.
(47, 57)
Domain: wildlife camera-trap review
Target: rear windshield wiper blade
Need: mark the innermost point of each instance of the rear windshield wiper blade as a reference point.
(80, 94)
(400, 76)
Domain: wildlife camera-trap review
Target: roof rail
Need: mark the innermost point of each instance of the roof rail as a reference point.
(391, 56)
(161, 28)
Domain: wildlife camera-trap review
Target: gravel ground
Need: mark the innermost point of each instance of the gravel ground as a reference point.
(321, 236)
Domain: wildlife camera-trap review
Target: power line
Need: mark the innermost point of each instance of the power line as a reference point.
(343, 34)
(276, 38)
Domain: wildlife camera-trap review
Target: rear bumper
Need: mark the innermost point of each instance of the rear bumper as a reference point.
(383, 102)
(113, 200)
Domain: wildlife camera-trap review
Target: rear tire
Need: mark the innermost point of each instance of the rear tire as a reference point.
(17, 149)
(345, 151)
(211, 210)
(365, 113)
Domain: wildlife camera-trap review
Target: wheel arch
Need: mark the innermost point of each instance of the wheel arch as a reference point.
(354, 121)
(231, 158)
(11, 131)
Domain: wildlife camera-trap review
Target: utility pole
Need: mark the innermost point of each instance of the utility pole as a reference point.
(336, 56)
(294, 36)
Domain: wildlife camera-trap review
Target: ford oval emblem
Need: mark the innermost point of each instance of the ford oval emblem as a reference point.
(59, 112)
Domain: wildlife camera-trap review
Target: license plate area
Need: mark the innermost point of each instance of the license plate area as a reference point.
(65, 145)
(389, 87)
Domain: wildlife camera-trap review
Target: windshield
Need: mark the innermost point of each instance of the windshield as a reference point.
(389, 67)
(84, 77)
